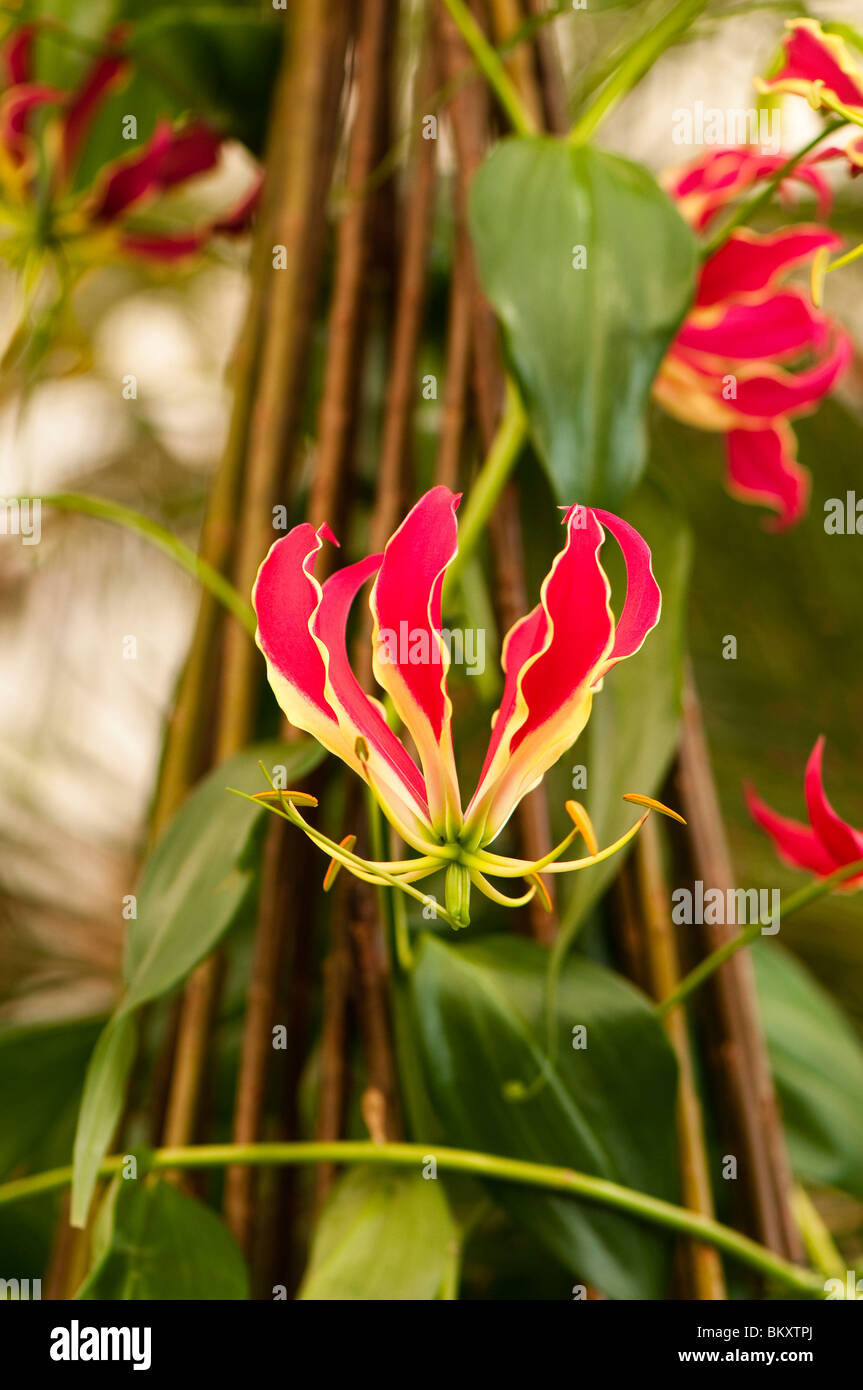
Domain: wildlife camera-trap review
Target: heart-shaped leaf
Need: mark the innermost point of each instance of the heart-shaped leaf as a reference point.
(591, 269)
(199, 879)
(607, 1106)
(817, 1063)
(151, 1241)
(382, 1235)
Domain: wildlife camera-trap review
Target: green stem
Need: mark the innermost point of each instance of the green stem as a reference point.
(745, 213)
(489, 63)
(494, 1167)
(696, 978)
(165, 540)
(817, 1240)
(635, 63)
(491, 480)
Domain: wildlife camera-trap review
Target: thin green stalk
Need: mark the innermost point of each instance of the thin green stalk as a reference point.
(817, 1240)
(696, 978)
(745, 213)
(165, 540)
(494, 1167)
(638, 60)
(491, 480)
(489, 63)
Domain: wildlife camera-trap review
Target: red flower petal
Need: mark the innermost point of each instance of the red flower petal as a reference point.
(749, 261)
(301, 631)
(780, 325)
(706, 185)
(16, 55)
(556, 657)
(410, 658)
(15, 108)
(796, 844)
(769, 392)
(164, 248)
(762, 467)
(109, 70)
(169, 158)
(841, 842)
(811, 57)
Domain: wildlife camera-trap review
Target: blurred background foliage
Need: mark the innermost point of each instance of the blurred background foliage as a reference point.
(82, 728)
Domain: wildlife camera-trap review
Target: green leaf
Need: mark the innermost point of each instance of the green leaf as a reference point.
(631, 737)
(817, 1062)
(606, 1109)
(154, 1242)
(42, 1070)
(584, 343)
(101, 1108)
(199, 879)
(382, 1236)
(203, 870)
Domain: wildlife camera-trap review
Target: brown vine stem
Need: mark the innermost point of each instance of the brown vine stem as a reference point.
(551, 82)
(339, 404)
(303, 105)
(410, 300)
(342, 368)
(381, 1109)
(704, 1266)
(456, 367)
(736, 1041)
(469, 116)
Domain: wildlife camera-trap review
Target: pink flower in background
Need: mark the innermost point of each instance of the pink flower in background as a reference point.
(826, 844)
(821, 67)
(753, 352)
(36, 174)
(554, 660)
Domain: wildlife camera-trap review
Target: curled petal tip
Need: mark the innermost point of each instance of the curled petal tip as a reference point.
(298, 798)
(582, 822)
(335, 865)
(653, 805)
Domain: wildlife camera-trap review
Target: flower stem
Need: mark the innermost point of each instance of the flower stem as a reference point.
(494, 1167)
(745, 213)
(489, 63)
(160, 536)
(637, 60)
(491, 479)
(696, 978)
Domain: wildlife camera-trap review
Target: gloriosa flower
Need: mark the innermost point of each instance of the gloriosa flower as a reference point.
(753, 352)
(42, 212)
(820, 67)
(554, 660)
(826, 844)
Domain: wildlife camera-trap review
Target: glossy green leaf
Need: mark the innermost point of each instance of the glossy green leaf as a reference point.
(101, 1107)
(42, 1070)
(585, 341)
(199, 879)
(606, 1109)
(202, 872)
(817, 1061)
(630, 739)
(151, 1241)
(382, 1236)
